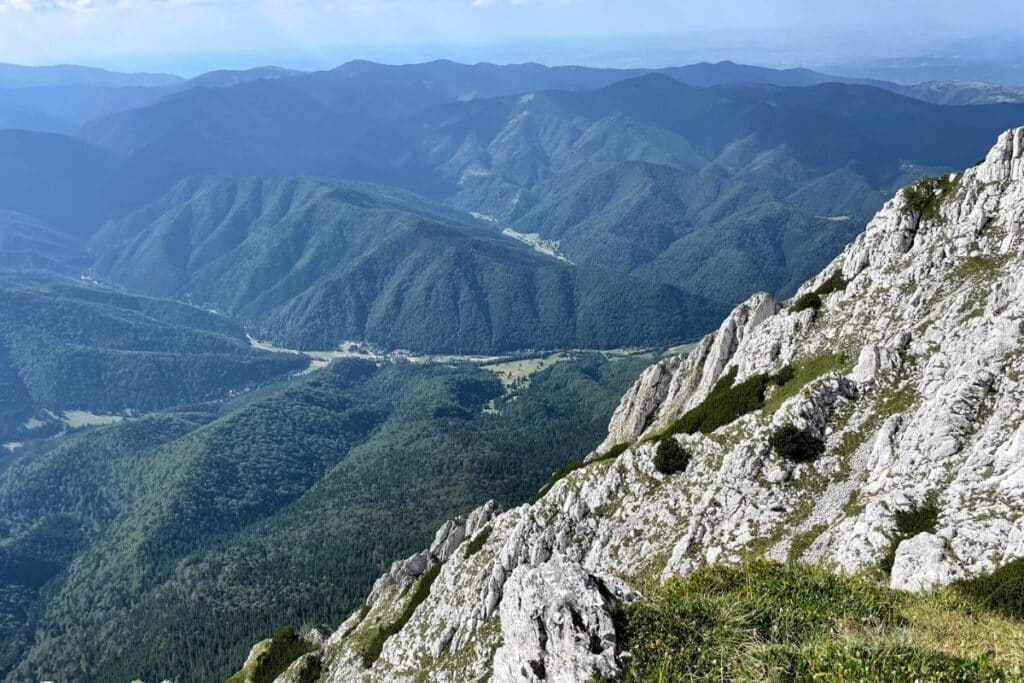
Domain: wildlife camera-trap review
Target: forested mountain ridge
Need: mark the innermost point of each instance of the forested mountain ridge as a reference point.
(872, 425)
(309, 264)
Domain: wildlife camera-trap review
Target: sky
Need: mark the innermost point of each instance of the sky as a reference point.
(191, 36)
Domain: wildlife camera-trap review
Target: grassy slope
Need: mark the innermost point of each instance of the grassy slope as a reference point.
(768, 622)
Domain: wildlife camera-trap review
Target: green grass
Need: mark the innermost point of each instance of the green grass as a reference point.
(1002, 591)
(371, 651)
(983, 267)
(282, 649)
(803, 373)
(802, 541)
(762, 621)
(725, 403)
(477, 542)
(615, 451)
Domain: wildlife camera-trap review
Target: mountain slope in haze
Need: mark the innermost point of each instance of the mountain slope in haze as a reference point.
(70, 346)
(28, 244)
(310, 264)
(873, 425)
(65, 108)
(358, 93)
(517, 142)
(127, 547)
(17, 76)
(55, 179)
(708, 233)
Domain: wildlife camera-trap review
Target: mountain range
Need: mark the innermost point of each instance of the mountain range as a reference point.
(264, 331)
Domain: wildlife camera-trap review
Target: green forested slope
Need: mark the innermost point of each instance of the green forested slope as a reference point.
(168, 553)
(68, 345)
(310, 264)
(705, 231)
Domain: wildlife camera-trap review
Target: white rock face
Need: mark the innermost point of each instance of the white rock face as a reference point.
(921, 564)
(556, 625)
(912, 377)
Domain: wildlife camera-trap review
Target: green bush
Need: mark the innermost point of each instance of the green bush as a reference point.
(671, 457)
(784, 376)
(808, 300)
(925, 196)
(1001, 591)
(910, 523)
(835, 283)
(796, 444)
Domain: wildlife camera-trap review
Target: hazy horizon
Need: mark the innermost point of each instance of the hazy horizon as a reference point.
(188, 37)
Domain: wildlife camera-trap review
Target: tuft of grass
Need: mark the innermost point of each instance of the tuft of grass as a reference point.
(792, 622)
(800, 375)
(477, 542)
(615, 451)
(802, 541)
(954, 623)
(1002, 591)
(898, 400)
(373, 648)
(983, 267)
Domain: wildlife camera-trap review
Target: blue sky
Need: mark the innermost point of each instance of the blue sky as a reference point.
(189, 36)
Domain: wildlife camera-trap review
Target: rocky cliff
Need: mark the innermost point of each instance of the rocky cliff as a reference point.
(890, 386)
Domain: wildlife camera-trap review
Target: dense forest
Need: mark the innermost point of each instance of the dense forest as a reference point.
(68, 345)
(167, 545)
